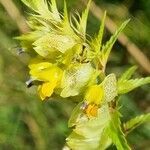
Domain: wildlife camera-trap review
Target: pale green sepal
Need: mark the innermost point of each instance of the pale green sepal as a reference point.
(93, 127)
(53, 42)
(78, 142)
(110, 88)
(87, 133)
(75, 115)
(75, 78)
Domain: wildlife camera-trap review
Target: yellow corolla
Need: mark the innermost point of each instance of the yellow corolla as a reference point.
(93, 99)
(49, 74)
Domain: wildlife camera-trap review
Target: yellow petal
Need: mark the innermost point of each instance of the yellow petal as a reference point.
(94, 94)
(40, 92)
(39, 62)
(46, 72)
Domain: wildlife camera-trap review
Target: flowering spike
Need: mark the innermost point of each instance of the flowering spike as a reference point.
(67, 64)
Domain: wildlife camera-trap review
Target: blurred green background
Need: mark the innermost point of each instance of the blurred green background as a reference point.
(26, 122)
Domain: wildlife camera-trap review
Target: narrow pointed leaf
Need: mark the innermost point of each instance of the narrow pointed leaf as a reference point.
(36, 5)
(116, 134)
(135, 122)
(83, 20)
(55, 10)
(66, 23)
(97, 42)
(101, 31)
(128, 85)
(128, 74)
(108, 46)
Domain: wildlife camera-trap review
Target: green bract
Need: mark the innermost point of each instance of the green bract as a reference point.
(75, 79)
(65, 62)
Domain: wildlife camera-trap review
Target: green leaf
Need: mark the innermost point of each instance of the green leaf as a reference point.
(116, 134)
(128, 73)
(108, 46)
(135, 122)
(125, 86)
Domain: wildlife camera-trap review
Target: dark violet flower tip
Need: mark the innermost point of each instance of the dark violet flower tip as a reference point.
(20, 51)
(29, 83)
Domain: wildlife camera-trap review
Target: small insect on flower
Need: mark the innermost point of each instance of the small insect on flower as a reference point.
(20, 50)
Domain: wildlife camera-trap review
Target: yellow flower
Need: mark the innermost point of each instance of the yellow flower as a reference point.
(93, 99)
(50, 74)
